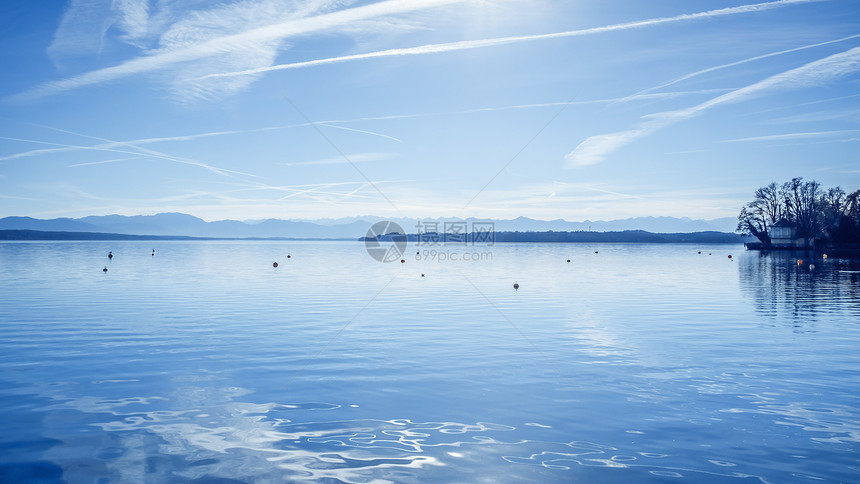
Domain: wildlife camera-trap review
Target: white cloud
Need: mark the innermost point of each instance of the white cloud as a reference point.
(595, 148)
(243, 35)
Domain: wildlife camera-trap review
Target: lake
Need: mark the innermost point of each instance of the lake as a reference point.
(631, 363)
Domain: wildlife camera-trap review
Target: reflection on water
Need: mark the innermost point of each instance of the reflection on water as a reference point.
(233, 440)
(798, 287)
(632, 363)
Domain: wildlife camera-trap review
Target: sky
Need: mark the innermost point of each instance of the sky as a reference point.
(308, 109)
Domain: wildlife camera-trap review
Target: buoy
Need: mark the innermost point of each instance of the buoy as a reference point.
(825, 256)
(595, 251)
(274, 264)
(104, 270)
(110, 255)
(799, 262)
(422, 275)
(288, 256)
(700, 252)
(730, 256)
(402, 261)
(568, 260)
(812, 267)
(516, 286)
(417, 252)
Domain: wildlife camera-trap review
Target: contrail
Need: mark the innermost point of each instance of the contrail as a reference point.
(595, 149)
(105, 161)
(744, 61)
(361, 131)
(475, 44)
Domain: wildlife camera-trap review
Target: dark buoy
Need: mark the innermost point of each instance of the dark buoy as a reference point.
(700, 251)
(274, 264)
(288, 256)
(730, 256)
(110, 255)
(402, 261)
(104, 270)
(417, 252)
(516, 286)
(568, 260)
(595, 251)
(153, 252)
(422, 275)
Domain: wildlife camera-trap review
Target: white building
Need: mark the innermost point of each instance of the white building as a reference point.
(784, 234)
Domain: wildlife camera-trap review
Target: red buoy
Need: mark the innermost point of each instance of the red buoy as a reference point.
(402, 261)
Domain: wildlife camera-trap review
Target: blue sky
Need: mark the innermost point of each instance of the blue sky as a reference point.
(583, 109)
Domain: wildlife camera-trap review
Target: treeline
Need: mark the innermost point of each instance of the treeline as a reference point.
(626, 236)
(817, 214)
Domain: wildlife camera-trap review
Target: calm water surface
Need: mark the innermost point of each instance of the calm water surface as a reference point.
(630, 363)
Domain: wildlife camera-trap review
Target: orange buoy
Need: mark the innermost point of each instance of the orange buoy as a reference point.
(799, 261)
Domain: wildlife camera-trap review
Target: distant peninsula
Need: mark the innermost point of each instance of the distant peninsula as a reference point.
(623, 236)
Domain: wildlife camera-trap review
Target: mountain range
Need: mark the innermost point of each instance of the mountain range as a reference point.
(180, 224)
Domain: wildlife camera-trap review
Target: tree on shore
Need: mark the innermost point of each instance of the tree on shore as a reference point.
(814, 212)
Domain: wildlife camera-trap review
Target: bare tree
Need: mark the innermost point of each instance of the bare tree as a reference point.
(767, 208)
(833, 201)
(816, 213)
(803, 203)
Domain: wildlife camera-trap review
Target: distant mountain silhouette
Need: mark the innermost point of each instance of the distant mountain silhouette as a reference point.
(180, 224)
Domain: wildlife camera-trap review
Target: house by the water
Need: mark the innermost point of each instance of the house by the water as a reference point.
(783, 235)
